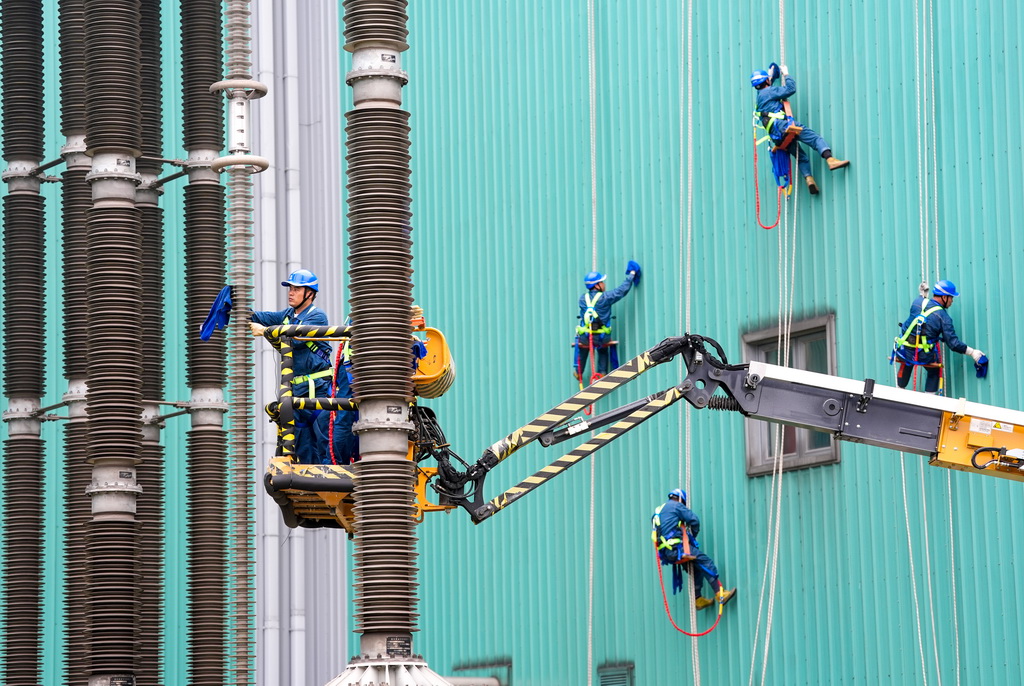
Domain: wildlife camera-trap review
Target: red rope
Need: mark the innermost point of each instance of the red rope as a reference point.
(334, 390)
(757, 194)
(668, 612)
(593, 369)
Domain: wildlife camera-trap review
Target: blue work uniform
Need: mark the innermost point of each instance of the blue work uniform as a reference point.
(769, 100)
(669, 521)
(600, 302)
(346, 443)
(924, 349)
(311, 358)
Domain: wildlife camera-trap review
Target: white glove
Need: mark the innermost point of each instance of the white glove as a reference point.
(257, 329)
(785, 70)
(975, 354)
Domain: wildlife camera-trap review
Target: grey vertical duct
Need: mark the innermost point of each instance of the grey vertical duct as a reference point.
(240, 89)
(380, 271)
(24, 272)
(201, 36)
(113, 287)
(76, 198)
(151, 471)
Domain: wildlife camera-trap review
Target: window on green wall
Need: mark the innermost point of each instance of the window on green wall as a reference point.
(812, 347)
(620, 674)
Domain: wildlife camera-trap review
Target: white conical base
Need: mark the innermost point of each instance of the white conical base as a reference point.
(388, 672)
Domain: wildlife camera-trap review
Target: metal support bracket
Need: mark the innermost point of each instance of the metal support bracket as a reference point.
(866, 396)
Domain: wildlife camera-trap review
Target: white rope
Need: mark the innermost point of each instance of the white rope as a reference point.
(787, 276)
(928, 575)
(934, 127)
(592, 65)
(787, 273)
(686, 87)
(913, 574)
(921, 157)
(785, 347)
(952, 568)
(592, 61)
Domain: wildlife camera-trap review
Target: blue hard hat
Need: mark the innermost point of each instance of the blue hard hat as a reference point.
(758, 77)
(678, 493)
(303, 277)
(593, 278)
(945, 287)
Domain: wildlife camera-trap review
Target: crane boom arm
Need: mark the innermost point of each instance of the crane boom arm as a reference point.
(953, 433)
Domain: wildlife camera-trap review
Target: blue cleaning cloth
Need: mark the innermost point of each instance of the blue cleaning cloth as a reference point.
(219, 315)
(981, 367)
(634, 267)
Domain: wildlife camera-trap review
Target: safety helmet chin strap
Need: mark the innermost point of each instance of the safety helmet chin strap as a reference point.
(307, 298)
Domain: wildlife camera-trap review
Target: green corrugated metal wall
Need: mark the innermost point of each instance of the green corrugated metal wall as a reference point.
(500, 109)
(51, 325)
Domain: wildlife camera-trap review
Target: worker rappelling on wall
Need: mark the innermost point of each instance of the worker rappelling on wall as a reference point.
(594, 332)
(926, 327)
(775, 116)
(674, 530)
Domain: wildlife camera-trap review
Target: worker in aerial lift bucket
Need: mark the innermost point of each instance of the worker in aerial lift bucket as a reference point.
(773, 116)
(595, 319)
(312, 361)
(670, 523)
(918, 343)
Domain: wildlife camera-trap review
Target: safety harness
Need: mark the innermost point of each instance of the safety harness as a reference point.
(312, 378)
(590, 317)
(913, 337)
(674, 551)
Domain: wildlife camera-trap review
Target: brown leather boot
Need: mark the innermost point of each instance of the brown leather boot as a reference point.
(836, 163)
(811, 185)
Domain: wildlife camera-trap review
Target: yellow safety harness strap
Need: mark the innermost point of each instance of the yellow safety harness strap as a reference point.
(311, 378)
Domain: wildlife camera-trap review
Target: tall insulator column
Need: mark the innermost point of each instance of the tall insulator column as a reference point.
(151, 471)
(380, 283)
(77, 199)
(203, 129)
(113, 132)
(21, 25)
(240, 164)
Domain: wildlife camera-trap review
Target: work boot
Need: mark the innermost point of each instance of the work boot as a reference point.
(811, 185)
(836, 163)
(703, 603)
(723, 596)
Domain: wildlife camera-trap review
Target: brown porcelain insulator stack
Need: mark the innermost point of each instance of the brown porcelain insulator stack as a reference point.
(113, 76)
(24, 280)
(151, 471)
(380, 283)
(113, 82)
(204, 277)
(380, 252)
(24, 342)
(203, 132)
(22, 27)
(72, 66)
(77, 199)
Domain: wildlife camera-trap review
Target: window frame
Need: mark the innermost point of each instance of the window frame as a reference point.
(617, 671)
(757, 433)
